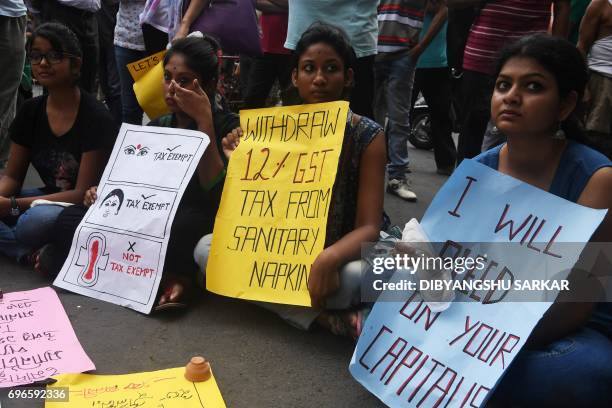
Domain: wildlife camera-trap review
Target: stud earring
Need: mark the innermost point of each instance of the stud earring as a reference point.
(495, 131)
(559, 134)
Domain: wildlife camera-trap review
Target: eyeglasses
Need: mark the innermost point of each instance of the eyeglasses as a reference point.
(52, 57)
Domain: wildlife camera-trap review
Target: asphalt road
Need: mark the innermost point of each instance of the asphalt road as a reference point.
(258, 360)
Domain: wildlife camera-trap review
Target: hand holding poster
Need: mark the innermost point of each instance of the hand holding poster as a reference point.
(118, 250)
(36, 339)
(272, 219)
(155, 389)
(410, 356)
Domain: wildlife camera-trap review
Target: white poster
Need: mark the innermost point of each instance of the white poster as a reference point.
(118, 250)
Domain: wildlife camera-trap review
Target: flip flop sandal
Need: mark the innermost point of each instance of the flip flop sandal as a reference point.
(28, 259)
(174, 305)
(170, 306)
(49, 262)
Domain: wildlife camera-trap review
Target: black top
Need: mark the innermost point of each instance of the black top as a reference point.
(195, 197)
(57, 158)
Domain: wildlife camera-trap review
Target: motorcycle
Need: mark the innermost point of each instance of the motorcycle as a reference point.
(420, 129)
(420, 120)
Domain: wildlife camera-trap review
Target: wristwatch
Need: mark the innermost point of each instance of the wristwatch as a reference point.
(15, 211)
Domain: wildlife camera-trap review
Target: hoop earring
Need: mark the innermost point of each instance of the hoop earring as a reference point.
(496, 132)
(559, 134)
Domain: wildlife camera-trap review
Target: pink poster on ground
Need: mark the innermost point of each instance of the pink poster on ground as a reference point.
(36, 339)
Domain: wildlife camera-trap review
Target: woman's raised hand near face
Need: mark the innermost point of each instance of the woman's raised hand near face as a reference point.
(194, 103)
(231, 141)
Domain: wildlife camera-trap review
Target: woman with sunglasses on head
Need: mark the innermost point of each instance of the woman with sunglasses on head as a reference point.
(66, 135)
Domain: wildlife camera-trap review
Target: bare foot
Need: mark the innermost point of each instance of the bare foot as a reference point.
(343, 323)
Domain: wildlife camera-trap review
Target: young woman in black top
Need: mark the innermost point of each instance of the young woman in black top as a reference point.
(66, 135)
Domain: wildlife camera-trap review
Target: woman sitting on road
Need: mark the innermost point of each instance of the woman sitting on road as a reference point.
(66, 135)
(190, 82)
(540, 81)
(322, 73)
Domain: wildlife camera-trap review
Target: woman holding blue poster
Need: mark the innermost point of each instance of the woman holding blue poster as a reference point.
(540, 83)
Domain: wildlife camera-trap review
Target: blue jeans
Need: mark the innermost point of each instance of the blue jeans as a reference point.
(12, 56)
(31, 230)
(574, 371)
(131, 112)
(393, 83)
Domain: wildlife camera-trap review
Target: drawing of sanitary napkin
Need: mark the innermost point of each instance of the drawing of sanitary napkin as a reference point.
(93, 258)
(415, 242)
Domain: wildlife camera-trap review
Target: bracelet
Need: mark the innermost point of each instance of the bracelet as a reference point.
(208, 186)
(14, 210)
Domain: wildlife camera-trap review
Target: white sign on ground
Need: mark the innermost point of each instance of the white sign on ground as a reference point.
(118, 250)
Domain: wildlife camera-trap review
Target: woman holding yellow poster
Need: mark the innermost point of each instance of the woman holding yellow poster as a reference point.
(323, 73)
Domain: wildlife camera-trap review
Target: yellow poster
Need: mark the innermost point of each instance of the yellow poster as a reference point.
(139, 68)
(148, 75)
(272, 221)
(155, 389)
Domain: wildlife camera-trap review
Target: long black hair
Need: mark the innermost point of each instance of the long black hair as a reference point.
(563, 61)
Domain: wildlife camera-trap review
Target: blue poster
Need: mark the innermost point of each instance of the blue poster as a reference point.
(412, 356)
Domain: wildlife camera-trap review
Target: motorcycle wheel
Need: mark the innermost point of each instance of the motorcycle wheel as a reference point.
(420, 133)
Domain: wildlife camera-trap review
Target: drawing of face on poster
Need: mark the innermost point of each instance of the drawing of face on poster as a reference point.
(138, 150)
(112, 202)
